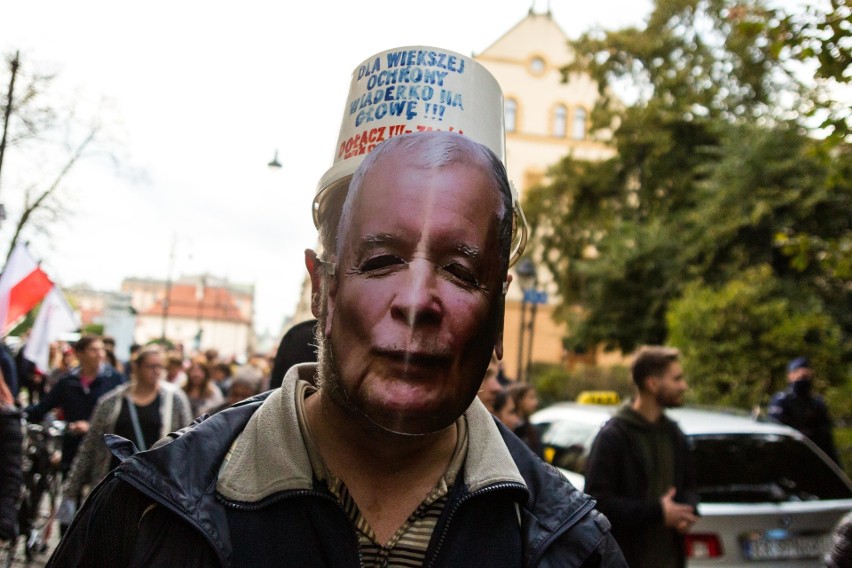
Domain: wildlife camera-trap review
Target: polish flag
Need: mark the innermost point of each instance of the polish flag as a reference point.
(22, 285)
(55, 319)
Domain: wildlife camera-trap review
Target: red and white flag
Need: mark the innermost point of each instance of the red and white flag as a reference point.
(55, 318)
(22, 285)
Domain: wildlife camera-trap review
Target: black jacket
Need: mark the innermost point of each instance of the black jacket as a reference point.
(194, 525)
(11, 476)
(617, 477)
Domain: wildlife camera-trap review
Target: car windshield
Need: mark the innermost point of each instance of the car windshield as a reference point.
(756, 468)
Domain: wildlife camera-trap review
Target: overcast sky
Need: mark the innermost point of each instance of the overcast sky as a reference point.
(196, 97)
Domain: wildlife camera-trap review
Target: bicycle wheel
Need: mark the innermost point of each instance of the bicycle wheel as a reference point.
(43, 506)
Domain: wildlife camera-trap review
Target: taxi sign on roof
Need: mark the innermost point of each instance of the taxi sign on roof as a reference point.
(598, 397)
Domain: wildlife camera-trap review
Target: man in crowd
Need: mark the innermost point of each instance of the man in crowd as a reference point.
(639, 467)
(174, 368)
(380, 454)
(76, 394)
(800, 408)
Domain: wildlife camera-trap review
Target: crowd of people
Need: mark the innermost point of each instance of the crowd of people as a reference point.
(154, 392)
(403, 444)
(512, 402)
(383, 437)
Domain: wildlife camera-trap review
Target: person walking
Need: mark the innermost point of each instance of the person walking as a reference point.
(202, 392)
(526, 403)
(77, 393)
(381, 454)
(143, 411)
(639, 467)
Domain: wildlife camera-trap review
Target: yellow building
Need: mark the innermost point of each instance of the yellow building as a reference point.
(546, 119)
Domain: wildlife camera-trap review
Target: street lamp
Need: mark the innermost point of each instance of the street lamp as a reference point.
(274, 164)
(525, 271)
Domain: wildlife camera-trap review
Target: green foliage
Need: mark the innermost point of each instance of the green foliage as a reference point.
(727, 59)
(843, 441)
(820, 37)
(714, 176)
(694, 58)
(736, 338)
(555, 383)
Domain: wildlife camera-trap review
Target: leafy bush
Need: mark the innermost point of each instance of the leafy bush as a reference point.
(737, 338)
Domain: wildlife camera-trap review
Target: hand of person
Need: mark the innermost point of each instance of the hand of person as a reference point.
(79, 428)
(677, 515)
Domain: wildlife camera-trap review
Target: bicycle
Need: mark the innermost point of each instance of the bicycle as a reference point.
(40, 497)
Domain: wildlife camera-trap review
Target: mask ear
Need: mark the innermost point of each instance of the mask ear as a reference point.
(330, 302)
(314, 267)
(498, 341)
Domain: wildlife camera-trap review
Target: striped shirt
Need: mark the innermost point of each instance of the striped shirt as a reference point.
(407, 547)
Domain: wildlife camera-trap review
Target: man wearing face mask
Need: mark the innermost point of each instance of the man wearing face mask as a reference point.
(797, 406)
(380, 455)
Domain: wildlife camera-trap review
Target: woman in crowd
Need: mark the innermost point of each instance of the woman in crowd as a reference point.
(505, 410)
(203, 394)
(526, 403)
(143, 411)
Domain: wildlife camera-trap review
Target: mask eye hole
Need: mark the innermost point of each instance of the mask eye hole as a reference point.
(462, 273)
(380, 263)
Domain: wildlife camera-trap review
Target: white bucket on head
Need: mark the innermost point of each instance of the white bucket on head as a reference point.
(414, 89)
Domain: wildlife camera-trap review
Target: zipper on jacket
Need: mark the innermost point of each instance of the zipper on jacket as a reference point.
(457, 506)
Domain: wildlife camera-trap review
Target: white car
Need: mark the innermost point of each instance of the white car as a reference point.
(769, 496)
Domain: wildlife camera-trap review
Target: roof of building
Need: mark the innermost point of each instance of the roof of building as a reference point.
(192, 280)
(196, 302)
(514, 45)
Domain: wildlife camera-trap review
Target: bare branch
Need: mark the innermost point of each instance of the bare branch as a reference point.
(31, 208)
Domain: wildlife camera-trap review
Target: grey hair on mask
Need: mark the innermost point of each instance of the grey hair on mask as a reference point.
(430, 150)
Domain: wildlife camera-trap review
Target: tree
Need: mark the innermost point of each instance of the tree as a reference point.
(45, 141)
(712, 166)
(821, 37)
(737, 337)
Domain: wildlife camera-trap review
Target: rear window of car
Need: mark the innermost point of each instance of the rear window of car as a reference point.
(759, 468)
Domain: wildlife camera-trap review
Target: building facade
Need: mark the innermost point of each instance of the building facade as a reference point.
(112, 310)
(199, 312)
(547, 119)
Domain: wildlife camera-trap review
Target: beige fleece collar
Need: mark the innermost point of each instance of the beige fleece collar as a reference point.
(270, 456)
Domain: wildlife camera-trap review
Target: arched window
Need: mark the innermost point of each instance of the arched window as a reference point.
(578, 130)
(560, 121)
(511, 110)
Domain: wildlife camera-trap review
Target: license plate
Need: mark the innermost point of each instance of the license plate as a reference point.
(786, 547)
